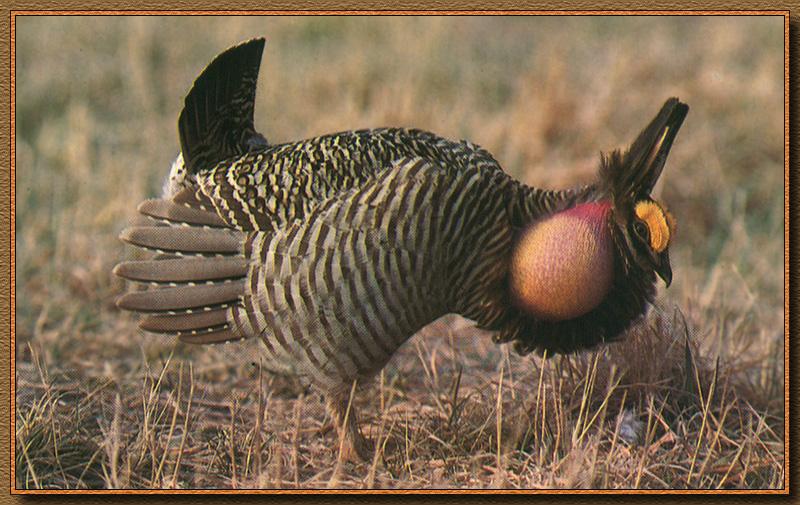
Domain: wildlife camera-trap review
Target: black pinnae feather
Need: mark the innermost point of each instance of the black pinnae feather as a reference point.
(216, 122)
(631, 176)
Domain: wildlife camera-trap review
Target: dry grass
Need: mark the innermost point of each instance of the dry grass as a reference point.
(692, 398)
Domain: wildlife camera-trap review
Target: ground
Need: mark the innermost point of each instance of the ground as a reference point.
(692, 397)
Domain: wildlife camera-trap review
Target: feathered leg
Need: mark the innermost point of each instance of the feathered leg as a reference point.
(353, 445)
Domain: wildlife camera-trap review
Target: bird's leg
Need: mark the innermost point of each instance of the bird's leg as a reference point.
(352, 444)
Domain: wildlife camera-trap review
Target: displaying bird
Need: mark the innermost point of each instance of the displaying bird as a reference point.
(333, 251)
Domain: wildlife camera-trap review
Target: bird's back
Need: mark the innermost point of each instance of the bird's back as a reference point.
(266, 187)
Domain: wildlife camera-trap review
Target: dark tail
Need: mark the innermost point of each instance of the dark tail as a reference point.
(217, 118)
(196, 277)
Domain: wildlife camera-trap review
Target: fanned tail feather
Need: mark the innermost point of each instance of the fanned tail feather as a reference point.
(197, 275)
(180, 214)
(174, 270)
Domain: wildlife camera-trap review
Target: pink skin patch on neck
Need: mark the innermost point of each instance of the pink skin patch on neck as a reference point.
(592, 211)
(563, 266)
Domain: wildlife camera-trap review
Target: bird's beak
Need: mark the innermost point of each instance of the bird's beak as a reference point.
(663, 268)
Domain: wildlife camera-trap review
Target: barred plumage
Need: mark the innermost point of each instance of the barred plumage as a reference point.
(335, 250)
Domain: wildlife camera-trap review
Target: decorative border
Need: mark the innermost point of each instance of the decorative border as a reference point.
(8, 187)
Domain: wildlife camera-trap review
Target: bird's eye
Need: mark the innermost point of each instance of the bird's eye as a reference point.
(641, 231)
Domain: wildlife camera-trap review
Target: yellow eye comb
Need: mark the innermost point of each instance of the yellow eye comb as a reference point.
(659, 222)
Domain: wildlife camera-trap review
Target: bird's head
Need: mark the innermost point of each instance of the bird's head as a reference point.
(648, 230)
(628, 178)
(563, 266)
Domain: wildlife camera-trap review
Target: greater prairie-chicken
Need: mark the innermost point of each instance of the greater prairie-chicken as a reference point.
(335, 250)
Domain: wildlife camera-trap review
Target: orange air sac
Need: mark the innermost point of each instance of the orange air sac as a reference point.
(563, 266)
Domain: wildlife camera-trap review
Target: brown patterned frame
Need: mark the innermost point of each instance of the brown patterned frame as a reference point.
(301, 7)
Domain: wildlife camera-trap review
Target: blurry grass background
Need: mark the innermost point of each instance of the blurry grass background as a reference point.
(693, 398)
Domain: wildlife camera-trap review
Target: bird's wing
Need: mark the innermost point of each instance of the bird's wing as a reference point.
(339, 291)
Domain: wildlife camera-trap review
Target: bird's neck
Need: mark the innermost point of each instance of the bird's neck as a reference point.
(479, 282)
(562, 266)
(591, 212)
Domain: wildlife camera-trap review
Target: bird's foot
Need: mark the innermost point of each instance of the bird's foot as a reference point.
(356, 449)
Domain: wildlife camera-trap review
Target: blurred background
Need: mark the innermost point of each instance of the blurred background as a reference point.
(98, 100)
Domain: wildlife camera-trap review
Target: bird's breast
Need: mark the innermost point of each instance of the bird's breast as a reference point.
(562, 266)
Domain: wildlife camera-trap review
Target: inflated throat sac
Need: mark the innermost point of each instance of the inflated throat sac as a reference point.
(563, 266)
